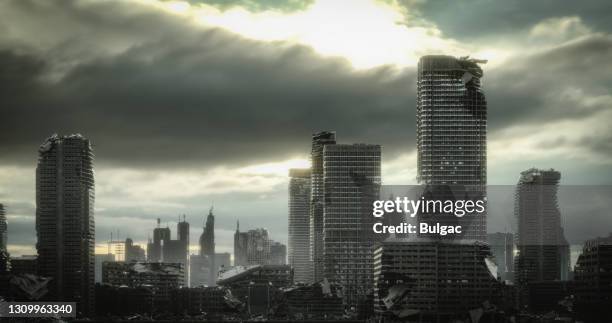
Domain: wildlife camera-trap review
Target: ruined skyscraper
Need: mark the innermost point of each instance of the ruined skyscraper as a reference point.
(425, 276)
(452, 134)
(543, 252)
(319, 141)
(299, 224)
(65, 219)
(351, 178)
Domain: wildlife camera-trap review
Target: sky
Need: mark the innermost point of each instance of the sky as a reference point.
(199, 103)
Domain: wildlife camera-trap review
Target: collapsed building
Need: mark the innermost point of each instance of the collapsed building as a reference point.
(209, 301)
(23, 287)
(428, 279)
(257, 286)
(321, 300)
(160, 278)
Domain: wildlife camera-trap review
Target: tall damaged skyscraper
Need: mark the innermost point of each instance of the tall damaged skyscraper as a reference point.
(319, 141)
(433, 277)
(452, 134)
(543, 251)
(65, 219)
(299, 224)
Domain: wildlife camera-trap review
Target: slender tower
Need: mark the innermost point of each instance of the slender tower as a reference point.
(240, 246)
(3, 229)
(207, 245)
(317, 195)
(65, 219)
(299, 224)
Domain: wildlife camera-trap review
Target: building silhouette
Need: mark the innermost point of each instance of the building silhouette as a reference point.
(207, 239)
(65, 219)
(99, 260)
(543, 251)
(202, 273)
(182, 231)
(251, 247)
(176, 251)
(258, 247)
(278, 253)
(198, 300)
(5, 266)
(316, 301)
(223, 260)
(502, 248)
(593, 280)
(452, 135)
(351, 178)
(299, 224)
(240, 246)
(133, 252)
(3, 229)
(25, 264)
(117, 248)
(164, 249)
(319, 141)
(154, 248)
(161, 278)
(207, 246)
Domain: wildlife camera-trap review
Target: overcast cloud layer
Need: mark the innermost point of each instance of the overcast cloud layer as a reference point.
(194, 103)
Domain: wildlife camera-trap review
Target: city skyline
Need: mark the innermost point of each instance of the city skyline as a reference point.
(527, 128)
(389, 160)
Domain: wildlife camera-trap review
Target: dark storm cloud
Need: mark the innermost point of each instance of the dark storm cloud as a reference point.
(202, 97)
(487, 19)
(183, 95)
(206, 99)
(533, 88)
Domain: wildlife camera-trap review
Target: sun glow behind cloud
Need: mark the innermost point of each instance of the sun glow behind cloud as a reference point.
(367, 33)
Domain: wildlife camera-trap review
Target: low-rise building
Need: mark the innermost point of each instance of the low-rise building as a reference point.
(320, 300)
(161, 278)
